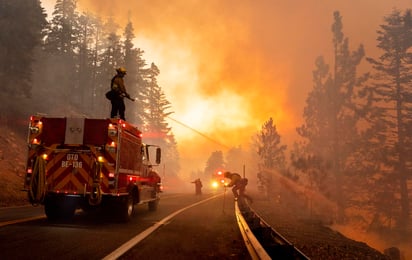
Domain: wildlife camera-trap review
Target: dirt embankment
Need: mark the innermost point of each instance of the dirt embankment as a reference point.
(12, 158)
(306, 219)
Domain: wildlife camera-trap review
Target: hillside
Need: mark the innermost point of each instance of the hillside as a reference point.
(12, 157)
(305, 217)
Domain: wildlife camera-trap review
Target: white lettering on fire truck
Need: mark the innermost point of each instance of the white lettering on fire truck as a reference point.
(72, 160)
(72, 157)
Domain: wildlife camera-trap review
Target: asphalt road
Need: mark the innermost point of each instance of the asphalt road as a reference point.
(209, 231)
(205, 231)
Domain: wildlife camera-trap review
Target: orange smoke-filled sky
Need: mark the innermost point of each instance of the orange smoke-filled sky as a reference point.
(227, 66)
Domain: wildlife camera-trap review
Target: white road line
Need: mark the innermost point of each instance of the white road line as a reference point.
(11, 222)
(139, 237)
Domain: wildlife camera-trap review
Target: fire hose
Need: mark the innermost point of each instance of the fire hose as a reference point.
(95, 197)
(37, 189)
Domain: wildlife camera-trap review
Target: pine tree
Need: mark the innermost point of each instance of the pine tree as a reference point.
(91, 46)
(62, 45)
(272, 155)
(156, 108)
(391, 97)
(138, 74)
(102, 72)
(130, 53)
(270, 149)
(332, 115)
(21, 25)
(143, 74)
(312, 166)
(62, 37)
(86, 65)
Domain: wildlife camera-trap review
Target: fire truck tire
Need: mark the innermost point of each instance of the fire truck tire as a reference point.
(153, 205)
(127, 208)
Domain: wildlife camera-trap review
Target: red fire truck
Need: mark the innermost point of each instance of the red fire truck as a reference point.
(89, 163)
(218, 179)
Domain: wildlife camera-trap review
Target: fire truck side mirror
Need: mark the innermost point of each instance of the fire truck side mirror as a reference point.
(158, 155)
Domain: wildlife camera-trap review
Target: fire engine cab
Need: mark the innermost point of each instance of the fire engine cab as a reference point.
(87, 163)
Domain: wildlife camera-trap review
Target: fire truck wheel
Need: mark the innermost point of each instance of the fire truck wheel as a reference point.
(127, 209)
(153, 205)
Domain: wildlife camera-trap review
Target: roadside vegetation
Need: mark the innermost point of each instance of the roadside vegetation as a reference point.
(12, 157)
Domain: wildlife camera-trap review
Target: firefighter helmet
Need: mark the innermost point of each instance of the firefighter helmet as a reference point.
(121, 70)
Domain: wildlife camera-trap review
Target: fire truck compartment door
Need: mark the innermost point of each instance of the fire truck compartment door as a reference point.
(74, 131)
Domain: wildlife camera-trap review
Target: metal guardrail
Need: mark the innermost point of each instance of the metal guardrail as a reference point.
(255, 249)
(261, 240)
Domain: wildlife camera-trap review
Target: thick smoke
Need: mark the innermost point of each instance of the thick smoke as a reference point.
(230, 65)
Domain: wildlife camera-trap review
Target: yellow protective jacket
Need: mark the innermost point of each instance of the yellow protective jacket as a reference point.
(234, 179)
(118, 85)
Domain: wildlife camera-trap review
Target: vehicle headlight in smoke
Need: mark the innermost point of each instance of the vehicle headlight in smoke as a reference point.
(215, 184)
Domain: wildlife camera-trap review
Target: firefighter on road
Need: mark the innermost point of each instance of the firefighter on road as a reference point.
(198, 186)
(239, 185)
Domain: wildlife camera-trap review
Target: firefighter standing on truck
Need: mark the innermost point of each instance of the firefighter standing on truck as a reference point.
(119, 92)
(239, 184)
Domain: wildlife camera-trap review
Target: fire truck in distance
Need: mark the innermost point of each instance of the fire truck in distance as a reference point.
(218, 179)
(89, 163)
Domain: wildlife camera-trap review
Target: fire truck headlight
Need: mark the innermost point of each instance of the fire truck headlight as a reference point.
(34, 143)
(112, 130)
(111, 148)
(34, 130)
(215, 184)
